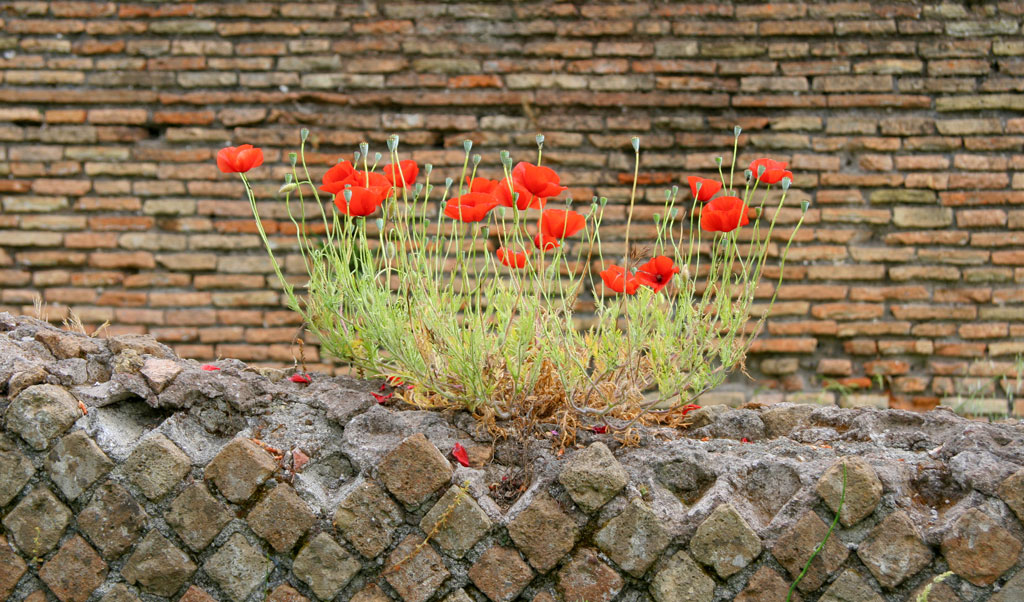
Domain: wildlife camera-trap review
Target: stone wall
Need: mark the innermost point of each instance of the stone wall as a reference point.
(129, 474)
(900, 119)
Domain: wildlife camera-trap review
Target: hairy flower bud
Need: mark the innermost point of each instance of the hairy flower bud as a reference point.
(468, 145)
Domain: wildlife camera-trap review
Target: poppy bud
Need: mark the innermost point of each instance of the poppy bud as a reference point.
(504, 156)
(748, 174)
(675, 190)
(657, 218)
(294, 158)
(736, 131)
(485, 231)
(392, 142)
(540, 139)
(364, 148)
(391, 250)
(347, 193)
(603, 200)
(718, 161)
(476, 160)
(376, 157)
(804, 205)
(286, 188)
(760, 170)
(429, 167)
(304, 134)
(468, 145)
(380, 223)
(418, 189)
(356, 154)
(668, 194)
(635, 141)
(448, 182)
(786, 182)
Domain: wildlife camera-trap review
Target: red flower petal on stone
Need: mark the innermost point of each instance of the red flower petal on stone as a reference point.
(600, 430)
(460, 454)
(381, 398)
(689, 408)
(209, 367)
(302, 379)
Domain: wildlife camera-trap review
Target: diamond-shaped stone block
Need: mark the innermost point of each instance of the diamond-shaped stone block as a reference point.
(894, 551)
(157, 566)
(414, 470)
(634, 538)
(458, 520)
(119, 593)
(794, 547)
(460, 595)
(725, 542)
(287, 593)
(37, 522)
(415, 570)
(15, 470)
(371, 593)
(75, 463)
(682, 579)
(863, 489)
(281, 518)
(160, 372)
(978, 549)
(12, 567)
(850, 586)
(587, 577)
(74, 572)
(1011, 591)
(766, 584)
(544, 532)
(113, 520)
(195, 594)
(593, 477)
(156, 466)
(500, 573)
(1011, 490)
(366, 518)
(238, 567)
(325, 566)
(40, 413)
(197, 516)
(239, 468)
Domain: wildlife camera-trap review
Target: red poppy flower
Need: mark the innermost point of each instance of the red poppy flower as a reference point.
(708, 188)
(689, 408)
(302, 379)
(600, 430)
(615, 278)
(209, 367)
(525, 200)
(556, 224)
(363, 202)
(539, 180)
(338, 173)
(406, 171)
(382, 399)
(657, 272)
(774, 171)
(513, 259)
(460, 454)
(724, 214)
(239, 159)
(483, 185)
(471, 207)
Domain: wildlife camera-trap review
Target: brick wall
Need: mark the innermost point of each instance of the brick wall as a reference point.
(903, 122)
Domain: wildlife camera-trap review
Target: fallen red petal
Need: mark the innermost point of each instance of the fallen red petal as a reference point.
(209, 367)
(744, 440)
(600, 430)
(460, 454)
(299, 460)
(304, 379)
(382, 398)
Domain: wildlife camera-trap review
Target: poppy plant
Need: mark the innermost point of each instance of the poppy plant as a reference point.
(724, 214)
(556, 224)
(362, 201)
(239, 159)
(512, 259)
(773, 173)
(657, 272)
(524, 200)
(471, 207)
(615, 278)
(404, 172)
(538, 180)
(338, 173)
(708, 188)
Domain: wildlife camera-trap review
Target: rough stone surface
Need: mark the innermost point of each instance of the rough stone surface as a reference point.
(1012, 492)
(195, 594)
(633, 539)
(863, 489)
(239, 468)
(75, 463)
(766, 584)
(281, 518)
(287, 593)
(459, 522)
(458, 595)
(587, 577)
(371, 593)
(894, 551)
(725, 542)
(74, 572)
(543, 532)
(593, 476)
(37, 522)
(415, 575)
(12, 567)
(325, 566)
(414, 470)
(687, 475)
(794, 547)
(500, 573)
(978, 549)
(1011, 591)
(238, 567)
(113, 520)
(367, 517)
(41, 413)
(682, 579)
(197, 516)
(15, 470)
(156, 466)
(941, 592)
(119, 593)
(159, 373)
(850, 586)
(157, 566)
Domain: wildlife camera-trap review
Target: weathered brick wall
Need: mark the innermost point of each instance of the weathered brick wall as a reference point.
(128, 474)
(901, 120)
